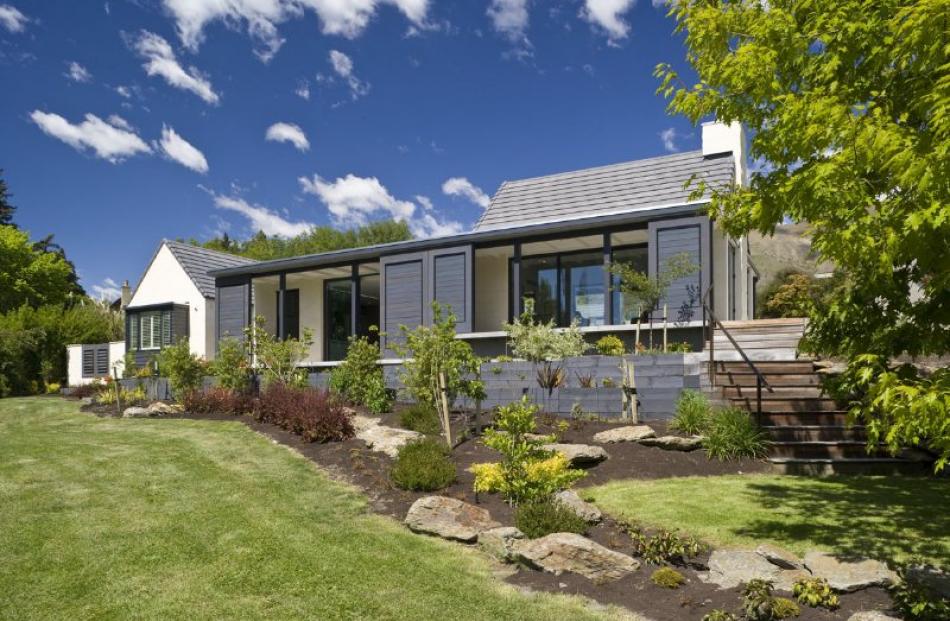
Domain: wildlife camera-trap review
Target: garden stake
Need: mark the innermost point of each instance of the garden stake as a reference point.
(118, 406)
(444, 400)
(636, 338)
(665, 321)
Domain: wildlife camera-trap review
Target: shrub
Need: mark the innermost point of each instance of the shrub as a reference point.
(231, 366)
(668, 578)
(719, 614)
(129, 366)
(53, 388)
(126, 396)
(183, 369)
(359, 378)
(527, 472)
(692, 413)
(586, 380)
(542, 343)
(916, 601)
(217, 400)
(312, 414)
(421, 417)
(757, 600)
(545, 516)
(423, 466)
(784, 608)
(733, 434)
(665, 546)
(84, 391)
(610, 345)
(815, 592)
(279, 360)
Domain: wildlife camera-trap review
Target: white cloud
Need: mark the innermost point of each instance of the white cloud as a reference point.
(660, 4)
(124, 91)
(353, 200)
(107, 291)
(606, 15)
(118, 121)
(108, 141)
(460, 186)
(12, 19)
(669, 136)
(303, 90)
(261, 218)
(78, 73)
(347, 18)
(509, 17)
(161, 61)
(343, 67)
(288, 132)
(427, 225)
(180, 150)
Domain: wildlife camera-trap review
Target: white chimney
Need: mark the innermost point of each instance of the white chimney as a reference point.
(126, 294)
(719, 138)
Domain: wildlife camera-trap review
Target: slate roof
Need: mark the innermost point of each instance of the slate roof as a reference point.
(197, 262)
(617, 188)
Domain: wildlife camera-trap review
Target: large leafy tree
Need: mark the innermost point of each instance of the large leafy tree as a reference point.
(30, 274)
(6, 208)
(848, 107)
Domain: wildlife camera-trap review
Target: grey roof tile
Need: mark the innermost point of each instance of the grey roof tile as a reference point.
(617, 188)
(197, 262)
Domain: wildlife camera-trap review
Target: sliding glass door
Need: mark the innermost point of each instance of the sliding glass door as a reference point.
(338, 297)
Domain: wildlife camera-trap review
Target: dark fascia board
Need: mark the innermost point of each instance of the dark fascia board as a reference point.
(154, 307)
(521, 233)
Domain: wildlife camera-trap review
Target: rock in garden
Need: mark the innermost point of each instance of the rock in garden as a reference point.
(871, 615)
(449, 518)
(500, 542)
(629, 433)
(849, 575)
(779, 556)
(730, 568)
(674, 443)
(136, 412)
(579, 454)
(561, 552)
(160, 408)
(387, 439)
(361, 423)
(575, 503)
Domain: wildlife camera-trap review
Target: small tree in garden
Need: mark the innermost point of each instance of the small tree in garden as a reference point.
(278, 360)
(438, 366)
(527, 472)
(359, 378)
(183, 369)
(645, 293)
(543, 344)
(231, 366)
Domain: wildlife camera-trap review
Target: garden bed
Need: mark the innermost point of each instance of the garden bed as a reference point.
(352, 461)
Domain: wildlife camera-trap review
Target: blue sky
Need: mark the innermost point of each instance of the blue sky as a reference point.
(127, 121)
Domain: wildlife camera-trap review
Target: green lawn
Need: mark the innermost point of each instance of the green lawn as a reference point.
(889, 518)
(105, 518)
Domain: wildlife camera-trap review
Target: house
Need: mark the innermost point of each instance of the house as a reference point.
(548, 238)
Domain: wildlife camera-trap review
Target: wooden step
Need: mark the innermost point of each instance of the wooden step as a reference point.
(865, 465)
(739, 324)
(781, 419)
(772, 391)
(773, 379)
(776, 367)
(781, 404)
(816, 433)
(841, 449)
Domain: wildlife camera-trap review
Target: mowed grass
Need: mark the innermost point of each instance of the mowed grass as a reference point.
(887, 518)
(166, 519)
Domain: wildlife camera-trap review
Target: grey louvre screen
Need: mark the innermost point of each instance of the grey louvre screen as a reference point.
(88, 362)
(102, 360)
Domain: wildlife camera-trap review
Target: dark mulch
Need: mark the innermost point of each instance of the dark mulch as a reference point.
(352, 462)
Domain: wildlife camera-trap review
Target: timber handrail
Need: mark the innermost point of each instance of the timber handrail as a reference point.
(713, 321)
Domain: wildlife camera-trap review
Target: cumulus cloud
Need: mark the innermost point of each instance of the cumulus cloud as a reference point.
(606, 15)
(509, 18)
(288, 132)
(77, 73)
(427, 224)
(12, 19)
(343, 67)
(669, 137)
(117, 121)
(303, 90)
(107, 291)
(353, 200)
(111, 141)
(160, 60)
(460, 186)
(347, 18)
(261, 218)
(180, 150)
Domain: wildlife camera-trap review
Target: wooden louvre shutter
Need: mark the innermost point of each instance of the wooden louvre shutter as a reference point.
(88, 362)
(102, 360)
(166, 328)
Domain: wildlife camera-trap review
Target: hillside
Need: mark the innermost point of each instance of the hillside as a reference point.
(789, 247)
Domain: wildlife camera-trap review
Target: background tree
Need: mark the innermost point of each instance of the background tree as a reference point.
(6, 208)
(32, 276)
(848, 107)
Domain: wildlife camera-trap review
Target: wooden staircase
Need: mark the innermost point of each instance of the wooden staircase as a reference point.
(808, 430)
(760, 339)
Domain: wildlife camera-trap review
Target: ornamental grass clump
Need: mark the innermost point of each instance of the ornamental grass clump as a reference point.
(527, 472)
(692, 413)
(668, 578)
(312, 414)
(733, 434)
(423, 466)
(546, 516)
(421, 417)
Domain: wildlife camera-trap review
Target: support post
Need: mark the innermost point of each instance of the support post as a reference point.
(608, 282)
(354, 299)
(636, 338)
(665, 322)
(281, 323)
(516, 282)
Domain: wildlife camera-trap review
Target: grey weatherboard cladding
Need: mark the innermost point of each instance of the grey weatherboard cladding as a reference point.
(629, 186)
(175, 316)
(233, 308)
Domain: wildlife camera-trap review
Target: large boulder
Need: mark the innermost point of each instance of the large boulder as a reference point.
(137, 412)
(628, 433)
(575, 503)
(849, 575)
(730, 568)
(387, 439)
(449, 518)
(362, 423)
(674, 443)
(871, 615)
(500, 542)
(779, 556)
(567, 552)
(160, 408)
(579, 454)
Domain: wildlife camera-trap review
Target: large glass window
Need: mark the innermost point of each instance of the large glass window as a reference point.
(565, 287)
(369, 306)
(539, 282)
(151, 330)
(625, 310)
(338, 317)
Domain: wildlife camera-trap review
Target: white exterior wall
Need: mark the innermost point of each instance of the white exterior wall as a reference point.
(166, 281)
(74, 362)
(311, 309)
(491, 292)
(721, 281)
